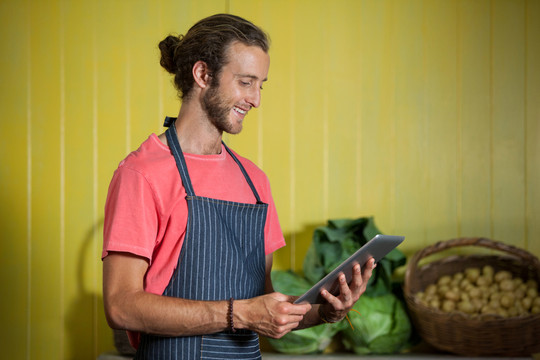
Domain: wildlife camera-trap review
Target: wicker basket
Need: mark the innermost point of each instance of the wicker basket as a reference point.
(482, 335)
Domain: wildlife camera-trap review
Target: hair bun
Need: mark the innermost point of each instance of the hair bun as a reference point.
(168, 48)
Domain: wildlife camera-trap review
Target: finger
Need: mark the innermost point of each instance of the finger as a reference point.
(344, 289)
(368, 271)
(301, 309)
(357, 279)
(295, 309)
(336, 303)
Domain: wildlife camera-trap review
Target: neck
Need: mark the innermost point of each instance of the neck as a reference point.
(196, 134)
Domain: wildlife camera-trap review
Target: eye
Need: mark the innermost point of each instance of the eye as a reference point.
(245, 83)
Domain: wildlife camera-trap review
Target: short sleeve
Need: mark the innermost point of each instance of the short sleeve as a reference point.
(131, 215)
(273, 235)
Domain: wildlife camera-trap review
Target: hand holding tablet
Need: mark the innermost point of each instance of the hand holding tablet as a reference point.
(377, 248)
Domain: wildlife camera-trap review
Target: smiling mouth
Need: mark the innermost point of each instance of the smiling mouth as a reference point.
(240, 111)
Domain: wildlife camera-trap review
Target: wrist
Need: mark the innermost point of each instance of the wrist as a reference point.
(239, 317)
(323, 316)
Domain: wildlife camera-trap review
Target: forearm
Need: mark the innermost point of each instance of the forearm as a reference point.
(128, 306)
(166, 316)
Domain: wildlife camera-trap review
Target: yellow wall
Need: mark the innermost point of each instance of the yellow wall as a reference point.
(424, 114)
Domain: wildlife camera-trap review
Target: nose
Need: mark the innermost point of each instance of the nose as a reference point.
(254, 97)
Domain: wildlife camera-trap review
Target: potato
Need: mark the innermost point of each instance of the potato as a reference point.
(441, 290)
(472, 274)
(448, 306)
(532, 292)
(487, 309)
(466, 306)
(458, 276)
(464, 284)
(488, 271)
(475, 293)
(452, 295)
(431, 289)
(502, 275)
(527, 303)
(444, 280)
(484, 281)
(507, 300)
(435, 303)
(507, 285)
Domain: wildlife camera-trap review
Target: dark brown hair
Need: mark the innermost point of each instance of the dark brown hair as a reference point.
(207, 41)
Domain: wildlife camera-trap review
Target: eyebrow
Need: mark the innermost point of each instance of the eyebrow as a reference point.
(254, 77)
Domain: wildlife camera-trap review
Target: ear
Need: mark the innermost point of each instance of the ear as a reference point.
(201, 74)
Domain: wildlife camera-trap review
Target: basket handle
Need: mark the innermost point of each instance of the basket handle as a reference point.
(472, 241)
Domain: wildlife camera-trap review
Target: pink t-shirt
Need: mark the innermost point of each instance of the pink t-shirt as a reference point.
(146, 209)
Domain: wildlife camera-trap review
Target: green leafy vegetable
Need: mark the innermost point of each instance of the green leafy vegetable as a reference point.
(334, 243)
(383, 327)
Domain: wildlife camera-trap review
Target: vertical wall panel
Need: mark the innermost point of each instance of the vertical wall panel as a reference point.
(508, 121)
(375, 100)
(309, 143)
(45, 279)
(411, 125)
(14, 274)
(439, 33)
(113, 64)
(343, 58)
(376, 133)
(474, 117)
(532, 118)
(82, 230)
(142, 38)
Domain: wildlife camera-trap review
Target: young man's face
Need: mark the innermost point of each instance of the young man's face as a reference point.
(239, 87)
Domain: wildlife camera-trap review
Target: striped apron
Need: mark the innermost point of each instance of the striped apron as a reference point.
(222, 257)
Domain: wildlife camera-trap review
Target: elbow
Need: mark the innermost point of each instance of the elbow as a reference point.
(116, 319)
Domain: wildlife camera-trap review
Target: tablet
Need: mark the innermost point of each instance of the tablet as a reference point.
(377, 248)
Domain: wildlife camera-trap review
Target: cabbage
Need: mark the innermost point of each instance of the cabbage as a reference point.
(382, 328)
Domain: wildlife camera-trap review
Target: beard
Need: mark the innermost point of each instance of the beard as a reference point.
(217, 109)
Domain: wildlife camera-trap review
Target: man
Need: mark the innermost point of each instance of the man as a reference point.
(190, 226)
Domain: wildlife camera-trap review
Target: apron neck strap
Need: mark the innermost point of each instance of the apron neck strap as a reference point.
(174, 145)
(176, 150)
